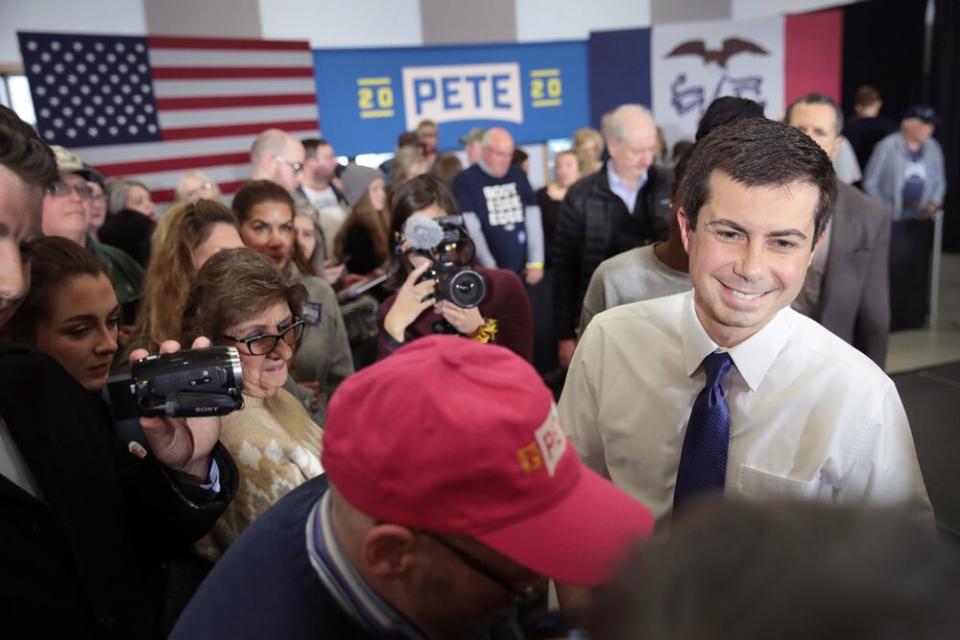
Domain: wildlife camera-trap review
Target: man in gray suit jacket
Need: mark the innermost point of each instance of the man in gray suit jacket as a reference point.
(847, 286)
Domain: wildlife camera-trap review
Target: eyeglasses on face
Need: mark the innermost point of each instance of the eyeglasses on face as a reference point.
(519, 596)
(62, 189)
(296, 166)
(265, 343)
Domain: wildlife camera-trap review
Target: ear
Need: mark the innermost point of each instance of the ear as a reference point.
(388, 549)
(685, 229)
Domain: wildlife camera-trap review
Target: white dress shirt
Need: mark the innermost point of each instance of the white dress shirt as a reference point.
(811, 416)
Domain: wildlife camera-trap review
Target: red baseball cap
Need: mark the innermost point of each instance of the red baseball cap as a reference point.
(452, 436)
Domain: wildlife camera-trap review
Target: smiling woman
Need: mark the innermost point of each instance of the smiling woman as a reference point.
(241, 299)
(70, 311)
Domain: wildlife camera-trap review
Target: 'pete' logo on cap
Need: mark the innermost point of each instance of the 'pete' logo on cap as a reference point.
(550, 445)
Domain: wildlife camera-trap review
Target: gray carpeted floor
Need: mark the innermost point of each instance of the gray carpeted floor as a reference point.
(932, 400)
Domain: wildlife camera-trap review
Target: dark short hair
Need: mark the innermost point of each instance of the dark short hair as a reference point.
(866, 95)
(310, 145)
(130, 231)
(53, 262)
(756, 152)
(417, 194)
(408, 139)
(793, 570)
(724, 110)
(256, 191)
(23, 152)
(232, 287)
(818, 98)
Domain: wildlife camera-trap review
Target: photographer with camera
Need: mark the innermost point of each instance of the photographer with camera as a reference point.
(87, 527)
(438, 289)
(241, 299)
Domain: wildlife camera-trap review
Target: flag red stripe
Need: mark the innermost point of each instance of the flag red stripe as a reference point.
(173, 42)
(169, 195)
(190, 133)
(222, 73)
(172, 164)
(215, 102)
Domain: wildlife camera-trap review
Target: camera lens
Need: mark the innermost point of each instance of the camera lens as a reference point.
(467, 289)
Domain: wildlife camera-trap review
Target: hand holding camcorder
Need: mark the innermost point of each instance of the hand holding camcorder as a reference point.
(191, 383)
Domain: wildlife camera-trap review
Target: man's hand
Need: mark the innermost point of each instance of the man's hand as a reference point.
(565, 352)
(183, 444)
(533, 275)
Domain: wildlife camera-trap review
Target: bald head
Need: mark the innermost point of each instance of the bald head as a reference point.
(277, 156)
(632, 140)
(497, 151)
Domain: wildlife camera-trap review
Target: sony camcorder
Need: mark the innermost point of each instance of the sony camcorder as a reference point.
(438, 239)
(191, 383)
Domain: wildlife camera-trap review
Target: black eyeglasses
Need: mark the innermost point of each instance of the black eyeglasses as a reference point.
(264, 344)
(296, 166)
(62, 190)
(519, 597)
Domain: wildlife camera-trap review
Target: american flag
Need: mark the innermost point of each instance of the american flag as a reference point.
(152, 108)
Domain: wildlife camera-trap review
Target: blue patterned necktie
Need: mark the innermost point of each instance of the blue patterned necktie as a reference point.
(703, 461)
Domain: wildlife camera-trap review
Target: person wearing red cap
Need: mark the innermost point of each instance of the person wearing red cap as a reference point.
(452, 493)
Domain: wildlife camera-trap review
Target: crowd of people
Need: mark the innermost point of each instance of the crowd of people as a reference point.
(657, 381)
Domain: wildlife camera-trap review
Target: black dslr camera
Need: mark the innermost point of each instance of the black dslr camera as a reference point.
(195, 382)
(438, 240)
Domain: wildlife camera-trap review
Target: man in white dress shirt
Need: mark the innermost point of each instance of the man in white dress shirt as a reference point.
(803, 413)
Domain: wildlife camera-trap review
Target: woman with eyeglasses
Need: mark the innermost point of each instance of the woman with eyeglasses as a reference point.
(241, 299)
(265, 211)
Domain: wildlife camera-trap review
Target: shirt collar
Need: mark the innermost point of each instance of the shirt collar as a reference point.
(340, 577)
(753, 357)
(616, 183)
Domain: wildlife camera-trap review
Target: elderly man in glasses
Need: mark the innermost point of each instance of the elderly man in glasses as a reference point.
(66, 208)
(449, 496)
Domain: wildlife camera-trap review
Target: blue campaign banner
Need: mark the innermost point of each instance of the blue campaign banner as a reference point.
(619, 70)
(367, 97)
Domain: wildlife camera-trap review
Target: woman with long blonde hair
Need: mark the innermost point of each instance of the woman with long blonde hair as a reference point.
(188, 235)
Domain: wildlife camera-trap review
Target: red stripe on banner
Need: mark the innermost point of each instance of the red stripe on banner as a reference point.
(169, 195)
(240, 44)
(215, 102)
(229, 73)
(192, 133)
(172, 164)
(814, 54)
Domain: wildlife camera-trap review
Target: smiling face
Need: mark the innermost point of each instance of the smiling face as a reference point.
(81, 330)
(268, 229)
(264, 375)
(748, 254)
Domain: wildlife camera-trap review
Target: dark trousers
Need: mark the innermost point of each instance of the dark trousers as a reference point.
(911, 246)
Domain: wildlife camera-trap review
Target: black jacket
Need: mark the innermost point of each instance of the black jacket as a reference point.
(88, 557)
(585, 230)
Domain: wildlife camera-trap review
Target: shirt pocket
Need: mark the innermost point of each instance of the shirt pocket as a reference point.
(756, 484)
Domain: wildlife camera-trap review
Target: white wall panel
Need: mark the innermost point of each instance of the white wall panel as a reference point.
(344, 23)
(123, 17)
(543, 20)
